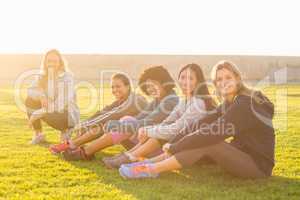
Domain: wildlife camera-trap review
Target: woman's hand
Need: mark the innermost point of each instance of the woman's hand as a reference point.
(44, 101)
(142, 135)
(77, 132)
(77, 127)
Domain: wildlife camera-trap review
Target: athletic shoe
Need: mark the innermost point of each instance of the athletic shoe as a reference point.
(116, 162)
(138, 172)
(136, 163)
(59, 148)
(77, 154)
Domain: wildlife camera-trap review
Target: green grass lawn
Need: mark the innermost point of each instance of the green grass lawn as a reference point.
(31, 172)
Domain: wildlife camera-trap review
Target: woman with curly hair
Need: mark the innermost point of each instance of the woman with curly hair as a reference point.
(155, 82)
(195, 103)
(245, 115)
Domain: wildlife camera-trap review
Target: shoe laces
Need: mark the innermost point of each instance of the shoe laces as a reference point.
(141, 169)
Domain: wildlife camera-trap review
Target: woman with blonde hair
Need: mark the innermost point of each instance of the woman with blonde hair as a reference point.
(195, 103)
(245, 115)
(52, 98)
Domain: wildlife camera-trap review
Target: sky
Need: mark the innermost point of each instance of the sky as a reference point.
(247, 27)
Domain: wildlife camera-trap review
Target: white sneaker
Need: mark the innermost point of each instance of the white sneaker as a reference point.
(37, 139)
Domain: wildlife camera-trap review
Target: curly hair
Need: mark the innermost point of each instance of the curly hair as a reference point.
(159, 74)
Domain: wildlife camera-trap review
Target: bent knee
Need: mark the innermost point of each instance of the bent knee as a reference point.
(118, 137)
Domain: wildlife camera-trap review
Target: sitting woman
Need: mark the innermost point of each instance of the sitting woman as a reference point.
(194, 105)
(245, 115)
(126, 103)
(155, 82)
(52, 98)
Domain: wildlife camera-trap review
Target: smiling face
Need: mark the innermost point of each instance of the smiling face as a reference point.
(188, 82)
(226, 82)
(53, 61)
(119, 89)
(154, 89)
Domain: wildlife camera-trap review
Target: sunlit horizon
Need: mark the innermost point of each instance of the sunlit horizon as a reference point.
(156, 27)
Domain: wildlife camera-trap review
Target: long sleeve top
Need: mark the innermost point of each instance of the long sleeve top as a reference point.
(248, 121)
(154, 113)
(61, 99)
(133, 105)
(184, 114)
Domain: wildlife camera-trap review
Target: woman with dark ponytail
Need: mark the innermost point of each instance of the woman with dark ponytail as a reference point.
(193, 106)
(245, 115)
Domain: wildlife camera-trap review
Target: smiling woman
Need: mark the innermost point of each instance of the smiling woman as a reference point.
(253, 143)
(52, 98)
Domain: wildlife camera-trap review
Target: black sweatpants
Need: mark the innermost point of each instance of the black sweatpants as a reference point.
(226, 155)
(57, 120)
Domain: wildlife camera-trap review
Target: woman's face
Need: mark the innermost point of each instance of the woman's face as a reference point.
(226, 82)
(119, 89)
(154, 88)
(188, 81)
(53, 61)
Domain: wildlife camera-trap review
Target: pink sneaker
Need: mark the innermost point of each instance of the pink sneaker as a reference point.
(59, 148)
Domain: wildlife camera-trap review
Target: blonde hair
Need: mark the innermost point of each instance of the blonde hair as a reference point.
(62, 61)
(44, 68)
(242, 88)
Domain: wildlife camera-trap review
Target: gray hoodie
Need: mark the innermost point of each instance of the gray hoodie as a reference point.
(184, 114)
(61, 99)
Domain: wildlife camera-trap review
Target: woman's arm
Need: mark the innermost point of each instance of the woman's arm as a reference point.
(161, 112)
(66, 93)
(195, 111)
(235, 120)
(129, 107)
(35, 91)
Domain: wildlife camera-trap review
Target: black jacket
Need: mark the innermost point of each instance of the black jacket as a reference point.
(248, 121)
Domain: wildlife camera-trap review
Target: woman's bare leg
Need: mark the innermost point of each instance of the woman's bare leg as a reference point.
(159, 158)
(85, 138)
(106, 140)
(148, 147)
(168, 164)
(135, 148)
(99, 144)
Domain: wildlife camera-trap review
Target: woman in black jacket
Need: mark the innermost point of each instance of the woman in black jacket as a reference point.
(245, 115)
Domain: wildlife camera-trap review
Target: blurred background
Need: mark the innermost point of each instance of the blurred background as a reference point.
(88, 67)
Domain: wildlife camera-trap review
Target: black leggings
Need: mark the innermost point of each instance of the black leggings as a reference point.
(57, 120)
(227, 156)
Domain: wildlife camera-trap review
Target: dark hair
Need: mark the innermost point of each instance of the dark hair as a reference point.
(123, 78)
(159, 74)
(202, 89)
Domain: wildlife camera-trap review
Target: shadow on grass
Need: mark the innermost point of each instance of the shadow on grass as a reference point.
(204, 181)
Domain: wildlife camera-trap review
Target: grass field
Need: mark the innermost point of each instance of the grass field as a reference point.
(31, 172)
